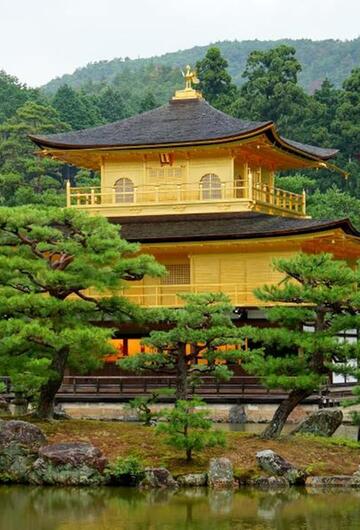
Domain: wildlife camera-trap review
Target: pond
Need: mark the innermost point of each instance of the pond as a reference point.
(35, 508)
(344, 431)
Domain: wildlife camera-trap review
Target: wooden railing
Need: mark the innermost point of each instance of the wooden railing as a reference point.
(142, 385)
(281, 199)
(159, 295)
(147, 195)
(241, 388)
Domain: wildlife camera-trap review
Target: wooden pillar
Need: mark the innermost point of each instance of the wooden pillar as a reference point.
(68, 196)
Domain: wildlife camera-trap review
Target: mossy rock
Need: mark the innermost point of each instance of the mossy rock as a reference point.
(19, 445)
(69, 464)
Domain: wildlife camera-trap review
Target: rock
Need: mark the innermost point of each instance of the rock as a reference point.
(237, 414)
(22, 433)
(332, 481)
(158, 477)
(269, 483)
(322, 423)
(19, 445)
(4, 407)
(275, 464)
(75, 464)
(192, 480)
(355, 479)
(221, 474)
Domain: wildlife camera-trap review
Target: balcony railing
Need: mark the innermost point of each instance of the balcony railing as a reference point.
(170, 295)
(172, 194)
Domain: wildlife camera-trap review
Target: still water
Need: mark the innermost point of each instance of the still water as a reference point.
(34, 508)
(344, 431)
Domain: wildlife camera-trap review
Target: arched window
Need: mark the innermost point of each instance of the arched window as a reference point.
(210, 186)
(124, 190)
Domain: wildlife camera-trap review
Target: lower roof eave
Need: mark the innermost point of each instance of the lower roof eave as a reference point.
(220, 227)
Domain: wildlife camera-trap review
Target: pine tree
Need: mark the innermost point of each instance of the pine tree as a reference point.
(271, 92)
(25, 178)
(148, 102)
(194, 344)
(76, 109)
(215, 81)
(317, 291)
(187, 426)
(111, 104)
(13, 95)
(50, 262)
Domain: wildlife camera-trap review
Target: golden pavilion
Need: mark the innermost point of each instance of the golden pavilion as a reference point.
(196, 188)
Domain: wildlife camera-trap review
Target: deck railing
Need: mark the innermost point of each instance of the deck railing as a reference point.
(159, 295)
(147, 195)
(241, 388)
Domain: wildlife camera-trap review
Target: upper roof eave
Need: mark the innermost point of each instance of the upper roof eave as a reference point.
(181, 123)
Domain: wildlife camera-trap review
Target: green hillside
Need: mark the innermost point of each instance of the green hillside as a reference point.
(333, 59)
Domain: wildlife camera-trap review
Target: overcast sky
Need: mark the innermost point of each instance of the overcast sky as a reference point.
(41, 39)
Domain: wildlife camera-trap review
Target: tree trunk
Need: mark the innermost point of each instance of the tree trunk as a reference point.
(48, 391)
(181, 375)
(283, 411)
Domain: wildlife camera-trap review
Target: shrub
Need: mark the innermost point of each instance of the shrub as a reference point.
(188, 428)
(142, 405)
(128, 471)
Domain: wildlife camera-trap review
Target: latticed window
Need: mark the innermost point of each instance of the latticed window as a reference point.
(124, 190)
(210, 186)
(165, 172)
(178, 274)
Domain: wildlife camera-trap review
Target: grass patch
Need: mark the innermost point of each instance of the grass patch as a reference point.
(321, 456)
(333, 441)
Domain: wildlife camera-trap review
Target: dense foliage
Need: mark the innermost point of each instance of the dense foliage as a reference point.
(128, 471)
(50, 261)
(303, 348)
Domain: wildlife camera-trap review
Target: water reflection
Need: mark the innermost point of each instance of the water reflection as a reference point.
(27, 508)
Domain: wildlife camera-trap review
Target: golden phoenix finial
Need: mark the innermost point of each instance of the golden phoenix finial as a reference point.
(190, 77)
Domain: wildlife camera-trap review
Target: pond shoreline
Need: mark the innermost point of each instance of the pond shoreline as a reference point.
(85, 453)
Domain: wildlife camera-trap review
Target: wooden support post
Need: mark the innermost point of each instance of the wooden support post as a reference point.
(250, 184)
(68, 194)
(304, 202)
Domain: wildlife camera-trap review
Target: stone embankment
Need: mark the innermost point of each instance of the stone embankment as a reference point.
(27, 457)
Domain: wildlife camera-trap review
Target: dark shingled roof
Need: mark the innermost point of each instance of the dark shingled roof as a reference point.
(178, 122)
(321, 152)
(200, 227)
